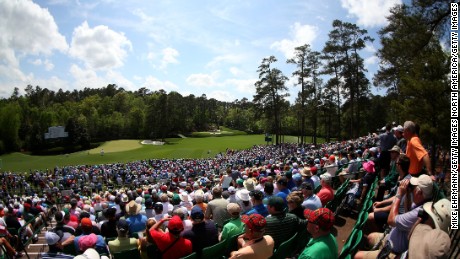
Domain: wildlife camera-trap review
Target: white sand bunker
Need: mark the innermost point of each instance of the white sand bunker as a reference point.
(152, 142)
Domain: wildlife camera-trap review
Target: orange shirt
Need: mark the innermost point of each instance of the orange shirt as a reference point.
(415, 151)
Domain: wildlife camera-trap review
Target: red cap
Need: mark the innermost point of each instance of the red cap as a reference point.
(86, 222)
(175, 224)
(255, 222)
(323, 217)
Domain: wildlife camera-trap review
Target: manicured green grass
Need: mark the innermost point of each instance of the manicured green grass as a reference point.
(132, 150)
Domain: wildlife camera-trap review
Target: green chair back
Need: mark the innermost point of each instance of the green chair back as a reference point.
(215, 251)
(286, 249)
(232, 243)
(190, 256)
(70, 249)
(128, 254)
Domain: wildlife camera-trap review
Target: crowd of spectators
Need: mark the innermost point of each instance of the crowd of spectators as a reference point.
(265, 193)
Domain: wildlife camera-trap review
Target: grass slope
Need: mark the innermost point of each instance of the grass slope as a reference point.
(132, 150)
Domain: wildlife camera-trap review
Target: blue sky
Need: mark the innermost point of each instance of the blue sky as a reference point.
(192, 47)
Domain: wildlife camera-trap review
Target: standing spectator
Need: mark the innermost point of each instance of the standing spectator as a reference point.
(416, 152)
(217, 208)
(387, 141)
(322, 243)
(171, 244)
(400, 140)
(203, 233)
(253, 243)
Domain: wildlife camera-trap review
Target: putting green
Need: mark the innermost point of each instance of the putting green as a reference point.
(117, 146)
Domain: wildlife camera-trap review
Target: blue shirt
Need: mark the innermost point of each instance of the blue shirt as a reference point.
(258, 209)
(283, 194)
(136, 223)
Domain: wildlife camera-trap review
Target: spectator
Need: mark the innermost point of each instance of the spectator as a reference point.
(294, 201)
(322, 243)
(326, 193)
(280, 225)
(244, 200)
(257, 202)
(203, 233)
(68, 232)
(283, 191)
(123, 241)
(378, 218)
(108, 228)
(365, 182)
(86, 227)
(397, 240)
(416, 152)
(217, 208)
(135, 220)
(199, 200)
(400, 140)
(171, 244)
(389, 181)
(253, 243)
(90, 253)
(331, 165)
(429, 237)
(53, 239)
(234, 226)
(146, 240)
(311, 201)
(387, 141)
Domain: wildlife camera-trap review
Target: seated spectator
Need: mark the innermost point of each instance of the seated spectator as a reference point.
(183, 215)
(397, 240)
(322, 243)
(429, 236)
(253, 243)
(109, 228)
(326, 193)
(217, 208)
(234, 226)
(94, 230)
(365, 182)
(244, 200)
(135, 220)
(123, 241)
(257, 204)
(379, 217)
(146, 240)
(149, 211)
(86, 227)
(294, 201)
(280, 224)
(351, 170)
(311, 201)
(331, 165)
(90, 253)
(171, 244)
(53, 239)
(203, 233)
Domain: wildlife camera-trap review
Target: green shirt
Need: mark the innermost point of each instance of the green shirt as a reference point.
(324, 247)
(233, 227)
(392, 177)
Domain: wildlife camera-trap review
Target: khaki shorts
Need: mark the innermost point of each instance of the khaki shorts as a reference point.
(375, 253)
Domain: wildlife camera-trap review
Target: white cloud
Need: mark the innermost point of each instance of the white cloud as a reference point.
(300, 35)
(169, 57)
(27, 29)
(370, 48)
(245, 86)
(99, 47)
(223, 96)
(47, 64)
(154, 84)
(228, 58)
(370, 13)
(87, 77)
(372, 60)
(200, 80)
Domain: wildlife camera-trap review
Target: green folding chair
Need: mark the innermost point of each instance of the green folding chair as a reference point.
(128, 254)
(286, 248)
(190, 256)
(215, 251)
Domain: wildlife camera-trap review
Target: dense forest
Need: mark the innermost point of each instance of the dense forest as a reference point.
(334, 98)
